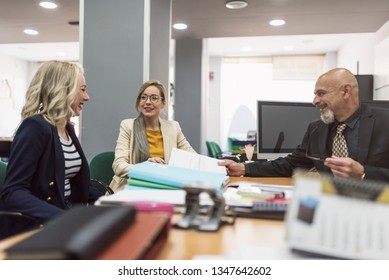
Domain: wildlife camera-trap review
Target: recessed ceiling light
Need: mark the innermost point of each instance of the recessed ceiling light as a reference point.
(48, 5)
(30, 31)
(234, 5)
(180, 26)
(277, 22)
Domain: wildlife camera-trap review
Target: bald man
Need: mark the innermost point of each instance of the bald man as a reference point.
(366, 133)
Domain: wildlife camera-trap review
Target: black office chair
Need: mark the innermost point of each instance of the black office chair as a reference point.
(5, 149)
(9, 214)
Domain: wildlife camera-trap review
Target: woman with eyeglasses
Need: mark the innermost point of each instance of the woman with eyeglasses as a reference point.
(148, 137)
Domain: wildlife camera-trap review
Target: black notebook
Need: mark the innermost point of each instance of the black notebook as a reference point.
(80, 233)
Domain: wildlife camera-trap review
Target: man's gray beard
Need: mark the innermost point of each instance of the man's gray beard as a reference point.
(328, 117)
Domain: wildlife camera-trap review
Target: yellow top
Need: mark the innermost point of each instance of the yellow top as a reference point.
(155, 143)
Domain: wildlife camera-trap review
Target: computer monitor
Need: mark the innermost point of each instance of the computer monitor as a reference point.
(281, 125)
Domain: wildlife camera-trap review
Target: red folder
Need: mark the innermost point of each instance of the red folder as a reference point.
(142, 240)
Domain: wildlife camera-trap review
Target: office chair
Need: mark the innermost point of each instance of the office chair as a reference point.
(215, 151)
(101, 172)
(10, 214)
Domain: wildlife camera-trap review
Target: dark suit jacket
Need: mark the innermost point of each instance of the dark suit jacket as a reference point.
(373, 148)
(34, 183)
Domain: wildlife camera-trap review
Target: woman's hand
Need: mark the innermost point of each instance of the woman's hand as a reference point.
(156, 160)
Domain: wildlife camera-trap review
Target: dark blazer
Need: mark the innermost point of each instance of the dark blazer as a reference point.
(34, 183)
(373, 148)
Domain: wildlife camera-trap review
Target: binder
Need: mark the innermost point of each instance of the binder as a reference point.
(79, 233)
(176, 176)
(150, 185)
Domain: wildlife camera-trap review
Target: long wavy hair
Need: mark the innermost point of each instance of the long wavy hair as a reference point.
(140, 148)
(52, 91)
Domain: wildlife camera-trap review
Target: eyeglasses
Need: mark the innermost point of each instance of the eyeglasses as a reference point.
(153, 98)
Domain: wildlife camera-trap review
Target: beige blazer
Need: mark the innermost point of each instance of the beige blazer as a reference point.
(172, 138)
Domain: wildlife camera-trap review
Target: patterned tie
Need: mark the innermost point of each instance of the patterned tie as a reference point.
(339, 147)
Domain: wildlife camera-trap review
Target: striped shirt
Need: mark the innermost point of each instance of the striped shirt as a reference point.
(72, 166)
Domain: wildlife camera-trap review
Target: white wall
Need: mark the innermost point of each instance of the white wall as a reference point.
(15, 74)
(358, 51)
(381, 64)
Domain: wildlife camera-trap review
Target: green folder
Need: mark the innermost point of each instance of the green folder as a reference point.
(150, 185)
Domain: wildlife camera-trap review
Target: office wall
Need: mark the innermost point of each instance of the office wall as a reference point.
(213, 131)
(122, 47)
(15, 76)
(381, 64)
(188, 89)
(112, 51)
(357, 54)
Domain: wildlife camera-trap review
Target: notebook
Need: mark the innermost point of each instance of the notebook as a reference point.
(79, 233)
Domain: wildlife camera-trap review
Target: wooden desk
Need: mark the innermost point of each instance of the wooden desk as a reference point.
(185, 244)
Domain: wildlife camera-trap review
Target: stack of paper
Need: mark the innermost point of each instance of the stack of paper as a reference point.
(185, 168)
(259, 200)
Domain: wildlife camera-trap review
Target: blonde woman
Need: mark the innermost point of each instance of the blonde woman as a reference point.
(47, 171)
(148, 137)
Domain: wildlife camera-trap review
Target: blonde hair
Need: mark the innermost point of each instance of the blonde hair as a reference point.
(52, 91)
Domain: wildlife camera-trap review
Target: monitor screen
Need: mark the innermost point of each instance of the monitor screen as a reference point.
(282, 125)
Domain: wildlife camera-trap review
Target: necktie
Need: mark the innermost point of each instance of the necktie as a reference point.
(339, 147)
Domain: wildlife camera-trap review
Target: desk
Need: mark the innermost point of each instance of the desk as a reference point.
(185, 244)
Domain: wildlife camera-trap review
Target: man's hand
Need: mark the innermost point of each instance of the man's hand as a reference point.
(233, 168)
(345, 167)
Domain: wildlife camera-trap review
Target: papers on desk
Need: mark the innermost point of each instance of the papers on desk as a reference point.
(259, 200)
(133, 195)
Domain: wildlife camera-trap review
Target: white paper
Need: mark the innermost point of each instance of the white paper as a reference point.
(181, 158)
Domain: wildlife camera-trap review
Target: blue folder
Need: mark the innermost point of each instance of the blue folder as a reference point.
(176, 176)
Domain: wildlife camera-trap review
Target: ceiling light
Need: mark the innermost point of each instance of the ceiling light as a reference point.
(277, 22)
(48, 5)
(180, 26)
(30, 31)
(234, 5)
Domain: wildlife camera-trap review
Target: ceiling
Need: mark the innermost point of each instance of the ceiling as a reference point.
(205, 19)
